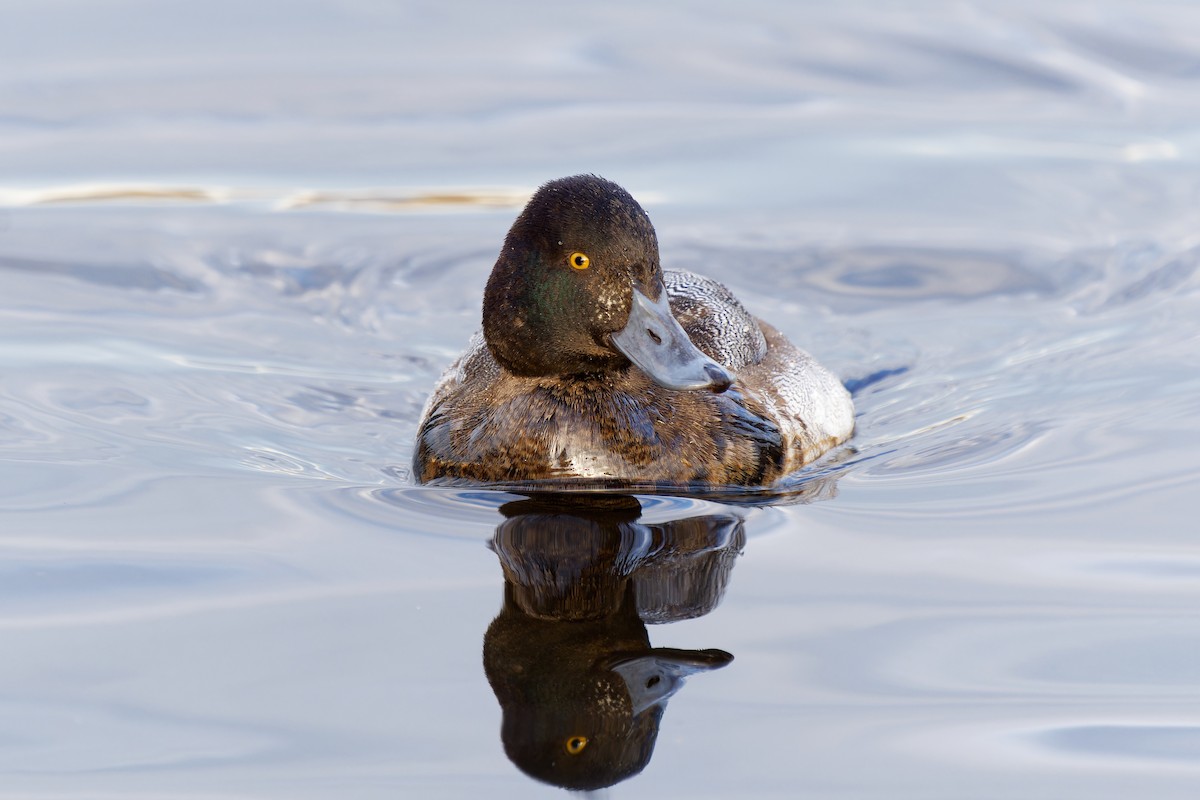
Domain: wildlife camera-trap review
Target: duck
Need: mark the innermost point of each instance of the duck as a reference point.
(596, 366)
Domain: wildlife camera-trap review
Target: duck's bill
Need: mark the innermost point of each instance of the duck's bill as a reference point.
(659, 346)
(653, 677)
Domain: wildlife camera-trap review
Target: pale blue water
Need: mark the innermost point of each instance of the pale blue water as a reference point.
(217, 579)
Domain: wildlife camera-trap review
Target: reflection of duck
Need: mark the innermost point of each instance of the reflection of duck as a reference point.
(581, 689)
(588, 366)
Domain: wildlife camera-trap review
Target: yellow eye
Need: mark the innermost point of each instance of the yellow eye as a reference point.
(579, 261)
(574, 746)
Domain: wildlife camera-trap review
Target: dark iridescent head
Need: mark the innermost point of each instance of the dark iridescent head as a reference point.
(578, 290)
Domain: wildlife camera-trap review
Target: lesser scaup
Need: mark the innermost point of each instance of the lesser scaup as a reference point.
(595, 363)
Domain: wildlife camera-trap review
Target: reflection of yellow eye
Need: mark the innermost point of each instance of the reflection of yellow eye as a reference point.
(579, 261)
(574, 745)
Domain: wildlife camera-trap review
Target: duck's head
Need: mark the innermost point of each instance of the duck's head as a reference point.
(578, 290)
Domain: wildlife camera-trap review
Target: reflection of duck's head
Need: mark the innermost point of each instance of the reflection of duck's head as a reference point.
(582, 699)
(581, 689)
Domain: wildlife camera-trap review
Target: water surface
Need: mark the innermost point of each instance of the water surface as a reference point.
(218, 580)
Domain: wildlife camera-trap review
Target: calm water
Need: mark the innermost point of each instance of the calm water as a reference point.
(217, 579)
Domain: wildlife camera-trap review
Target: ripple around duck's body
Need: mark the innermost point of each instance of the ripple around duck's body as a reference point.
(1025, 391)
(473, 513)
(1033, 402)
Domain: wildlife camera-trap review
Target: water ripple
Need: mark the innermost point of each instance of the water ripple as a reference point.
(51, 738)
(1177, 744)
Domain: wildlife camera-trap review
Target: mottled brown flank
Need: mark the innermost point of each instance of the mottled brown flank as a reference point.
(507, 428)
(489, 425)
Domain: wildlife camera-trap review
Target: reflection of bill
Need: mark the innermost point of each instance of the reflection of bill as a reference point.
(581, 689)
